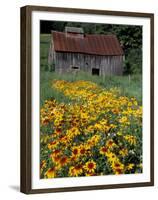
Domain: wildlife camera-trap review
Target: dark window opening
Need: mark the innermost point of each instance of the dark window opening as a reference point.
(74, 67)
(95, 71)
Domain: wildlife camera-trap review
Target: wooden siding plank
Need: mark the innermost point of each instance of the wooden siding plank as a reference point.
(108, 65)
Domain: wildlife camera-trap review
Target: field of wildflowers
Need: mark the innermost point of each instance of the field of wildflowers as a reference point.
(97, 132)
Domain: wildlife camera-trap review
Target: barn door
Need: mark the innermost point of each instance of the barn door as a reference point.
(95, 71)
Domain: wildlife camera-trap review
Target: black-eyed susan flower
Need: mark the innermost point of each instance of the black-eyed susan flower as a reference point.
(131, 139)
(117, 167)
(124, 120)
(75, 170)
(110, 144)
(53, 144)
(55, 158)
(63, 161)
(80, 130)
(82, 150)
(50, 173)
(73, 158)
(74, 131)
(43, 165)
(130, 166)
(123, 152)
(90, 174)
(75, 151)
(58, 131)
(56, 152)
(78, 170)
(111, 157)
(72, 171)
(103, 150)
(90, 166)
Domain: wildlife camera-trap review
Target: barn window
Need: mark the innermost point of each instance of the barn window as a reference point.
(74, 67)
(95, 71)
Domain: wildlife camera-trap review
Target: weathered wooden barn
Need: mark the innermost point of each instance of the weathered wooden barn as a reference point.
(97, 54)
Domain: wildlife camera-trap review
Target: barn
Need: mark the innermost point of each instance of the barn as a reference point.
(97, 54)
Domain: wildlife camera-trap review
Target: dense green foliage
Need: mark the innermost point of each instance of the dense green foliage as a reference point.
(130, 38)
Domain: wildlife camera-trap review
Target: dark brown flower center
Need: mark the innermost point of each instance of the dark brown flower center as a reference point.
(90, 165)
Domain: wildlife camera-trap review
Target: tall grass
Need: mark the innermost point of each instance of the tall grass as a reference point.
(46, 89)
(129, 86)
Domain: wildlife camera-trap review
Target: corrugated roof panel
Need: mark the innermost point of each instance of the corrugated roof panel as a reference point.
(89, 44)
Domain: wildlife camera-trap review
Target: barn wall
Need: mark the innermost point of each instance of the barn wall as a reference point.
(112, 65)
(65, 62)
(51, 54)
(107, 65)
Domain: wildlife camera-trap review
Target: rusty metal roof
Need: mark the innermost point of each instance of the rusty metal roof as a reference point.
(88, 44)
